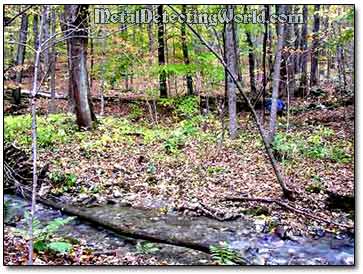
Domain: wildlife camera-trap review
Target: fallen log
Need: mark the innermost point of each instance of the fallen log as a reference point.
(120, 229)
(58, 96)
(126, 227)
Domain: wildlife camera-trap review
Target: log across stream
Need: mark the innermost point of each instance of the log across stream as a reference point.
(187, 239)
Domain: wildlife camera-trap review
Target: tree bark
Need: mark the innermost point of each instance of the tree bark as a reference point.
(264, 52)
(237, 51)
(276, 77)
(314, 73)
(45, 53)
(150, 36)
(230, 57)
(161, 54)
(303, 59)
(186, 54)
(77, 17)
(297, 42)
(52, 64)
(251, 61)
(290, 57)
(20, 56)
(103, 70)
(34, 143)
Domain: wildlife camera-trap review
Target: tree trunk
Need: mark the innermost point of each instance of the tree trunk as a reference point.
(45, 53)
(303, 58)
(186, 54)
(314, 73)
(161, 54)
(237, 51)
(230, 57)
(251, 61)
(52, 107)
(64, 27)
(103, 70)
(167, 61)
(283, 72)
(20, 55)
(264, 51)
(290, 57)
(150, 36)
(34, 143)
(297, 42)
(276, 77)
(77, 16)
(91, 63)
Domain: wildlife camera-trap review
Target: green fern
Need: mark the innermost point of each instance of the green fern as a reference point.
(146, 247)
(43, 237)
(224, 255)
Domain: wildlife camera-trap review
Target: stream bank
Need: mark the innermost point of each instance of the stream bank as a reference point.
(241, 235)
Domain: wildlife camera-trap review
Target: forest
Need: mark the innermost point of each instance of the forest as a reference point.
(179, 134)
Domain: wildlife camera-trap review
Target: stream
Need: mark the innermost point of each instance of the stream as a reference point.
(242, 235)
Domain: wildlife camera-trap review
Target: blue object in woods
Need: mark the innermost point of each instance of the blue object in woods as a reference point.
(280, 105)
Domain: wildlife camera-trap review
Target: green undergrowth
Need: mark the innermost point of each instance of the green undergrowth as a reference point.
(184, 107)
(52, 130)
(321, 143)
(58, 129)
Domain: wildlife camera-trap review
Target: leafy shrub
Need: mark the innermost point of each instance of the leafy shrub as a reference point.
(179, 136)
(155, 134)
(224, 255)
(43, 237)
(316, 146)
(184, 107)
(176, 141)
(166, 102)
(284, 147)
(146, 247)
(51, 131)
(187, 106)
(340, 156)
(68, 180)
(135, 112)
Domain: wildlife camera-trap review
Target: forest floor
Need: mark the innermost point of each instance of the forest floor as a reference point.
(184, 159)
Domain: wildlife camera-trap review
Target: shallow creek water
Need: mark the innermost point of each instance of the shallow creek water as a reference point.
(241, 235)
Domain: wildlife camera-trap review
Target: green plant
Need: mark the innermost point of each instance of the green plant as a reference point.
(319, 145)
(51, 131)
(175, 141)
(283, 146)
(44, 238)
(166, 102)
(151, 168)
(6, 209)
(184, 107)
(224, 255)
(146, 247)
(68, 180)
(339, 155)
(135, 112)
(314, 187)
(187, 106)
(215, 169)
